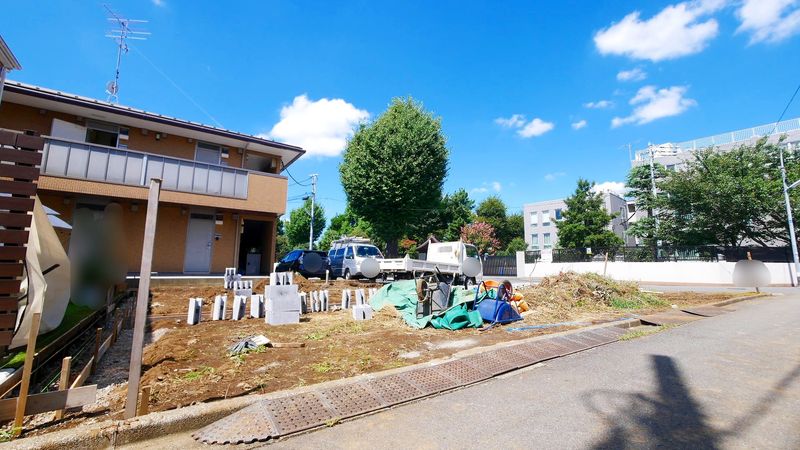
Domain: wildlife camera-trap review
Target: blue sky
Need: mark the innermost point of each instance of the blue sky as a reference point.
(532, 95)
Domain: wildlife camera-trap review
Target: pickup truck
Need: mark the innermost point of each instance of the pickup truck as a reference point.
(447, 257)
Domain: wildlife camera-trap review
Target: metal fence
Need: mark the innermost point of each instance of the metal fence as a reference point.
(532, 256)
(500, 266)
(662, 254)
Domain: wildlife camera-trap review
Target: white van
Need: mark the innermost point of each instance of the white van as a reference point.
(347, 254)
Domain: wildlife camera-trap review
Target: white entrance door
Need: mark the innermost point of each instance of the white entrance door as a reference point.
(199, 239)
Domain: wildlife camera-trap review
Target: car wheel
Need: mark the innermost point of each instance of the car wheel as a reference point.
(347, 274)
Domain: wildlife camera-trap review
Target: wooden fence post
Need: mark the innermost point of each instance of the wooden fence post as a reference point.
(30, 351)
(144, 402)
(142, 297)
(98, 340)
(63, 381)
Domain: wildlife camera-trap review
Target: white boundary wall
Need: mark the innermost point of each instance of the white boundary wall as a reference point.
(681, 272)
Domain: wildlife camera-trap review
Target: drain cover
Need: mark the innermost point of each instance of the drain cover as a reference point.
(669, 318)
(246, 426)
(429, 380)
(489, 363)
(464, 372)
(393, 389)
(349, 400)
(517, 356)
(706, 311)
(298, 412)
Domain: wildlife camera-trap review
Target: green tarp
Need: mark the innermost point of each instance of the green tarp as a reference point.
(403, 296)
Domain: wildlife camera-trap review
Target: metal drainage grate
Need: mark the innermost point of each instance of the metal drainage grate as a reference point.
(394, 389)
(350, 400)
(429, 380)
(541, 350)
(489, 363)
(517, 356)
(594, 339)
(298, 412)
(246, 426)
(464, 372)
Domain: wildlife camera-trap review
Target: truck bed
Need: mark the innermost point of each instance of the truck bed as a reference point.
(408, 265)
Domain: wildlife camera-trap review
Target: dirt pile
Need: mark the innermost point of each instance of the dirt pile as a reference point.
(562, 296)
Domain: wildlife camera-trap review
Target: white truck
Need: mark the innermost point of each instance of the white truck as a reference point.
(447, 257)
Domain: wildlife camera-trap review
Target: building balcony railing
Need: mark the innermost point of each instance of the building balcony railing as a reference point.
(72, 159)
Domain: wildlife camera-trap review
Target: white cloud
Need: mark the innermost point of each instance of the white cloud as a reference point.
(579, 124)
(553, 176)
(159, 2)
(600, 104)
(525, 129)
(677, 30)
(321, 127)
(515, 121)
(635, 74)
(656, 104)
(769, 20)
(485, 187)
(615, 187)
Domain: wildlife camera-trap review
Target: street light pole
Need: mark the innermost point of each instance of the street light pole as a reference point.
(313, 199)
(790, 219)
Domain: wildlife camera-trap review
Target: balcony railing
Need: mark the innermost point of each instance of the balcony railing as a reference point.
(71, 159)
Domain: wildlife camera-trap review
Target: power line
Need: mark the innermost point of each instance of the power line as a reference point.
(285, 169)
(785, 109)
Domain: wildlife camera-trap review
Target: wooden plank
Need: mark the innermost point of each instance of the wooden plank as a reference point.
(84, 375)
(51, 401)
(6, 336)
(9, 304)
(10, 269)
(20, 156)
(8, 138)
(15, 220)
(104, 347)
(9, 286)
(135, 368)
(8, 321)
(14, 236)
(63, 381)
(144, 402)
(30, 142)
(97, 341)
(19, 172)
(11, 382)
(30, 350)
(16, 203)
(12, 253)
(18, 187)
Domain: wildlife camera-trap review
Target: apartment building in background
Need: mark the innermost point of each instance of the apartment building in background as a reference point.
(222, 191)
(541, 218)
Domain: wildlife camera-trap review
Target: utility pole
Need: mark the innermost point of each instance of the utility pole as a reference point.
(790, 220)
(313, 200)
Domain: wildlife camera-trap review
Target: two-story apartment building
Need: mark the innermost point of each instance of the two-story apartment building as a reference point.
(541, 218)
(222, 191)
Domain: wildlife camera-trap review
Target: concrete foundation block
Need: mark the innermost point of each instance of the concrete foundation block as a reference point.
(362, 312)
(282, 298)
(360, 297)
(282, 317)
(220, 307)
(281, 278)
(239, 306)
(305, 306)
(194, 314)
(345, 298)
(256, 306)
(315, 306)
(327, 303)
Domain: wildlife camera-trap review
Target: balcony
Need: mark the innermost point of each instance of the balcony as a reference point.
(79, 160)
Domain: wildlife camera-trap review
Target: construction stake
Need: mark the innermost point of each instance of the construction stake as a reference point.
(30, 350)
(63, 381)
(144, 402)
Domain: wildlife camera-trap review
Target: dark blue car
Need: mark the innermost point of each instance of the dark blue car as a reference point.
(293, 262)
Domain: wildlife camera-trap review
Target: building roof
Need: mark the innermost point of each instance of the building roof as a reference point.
(7, 59)
(53, 100)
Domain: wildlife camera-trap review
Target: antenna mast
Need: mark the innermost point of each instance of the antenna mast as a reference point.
(121, 34)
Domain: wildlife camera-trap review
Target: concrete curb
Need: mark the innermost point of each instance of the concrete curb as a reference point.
(118, 432)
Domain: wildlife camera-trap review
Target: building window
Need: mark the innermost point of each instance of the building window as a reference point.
(208, 153)
(545, 217)
(535, 241)
(534, 218)
(102, 133)
(547, 242)
(558, 214)
(670, 167)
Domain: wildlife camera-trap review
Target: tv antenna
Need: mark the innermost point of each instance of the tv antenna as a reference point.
(121, 34)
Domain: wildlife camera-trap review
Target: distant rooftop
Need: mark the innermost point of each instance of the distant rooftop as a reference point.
(7, 59)
(732, 137)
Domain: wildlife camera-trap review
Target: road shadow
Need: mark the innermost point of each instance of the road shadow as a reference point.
(670, 418)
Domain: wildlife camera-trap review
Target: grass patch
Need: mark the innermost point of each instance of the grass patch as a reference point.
(73, 314)
(634, 334)
(324, 367)
(315, 336)
(198, 373)
(638, 301)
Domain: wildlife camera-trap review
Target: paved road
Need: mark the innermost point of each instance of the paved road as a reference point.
(731, 381)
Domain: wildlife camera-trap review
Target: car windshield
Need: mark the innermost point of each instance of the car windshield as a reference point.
(472, 252)
(367, 250)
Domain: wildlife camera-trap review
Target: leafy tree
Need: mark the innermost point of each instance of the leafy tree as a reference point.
(299, 222)
(492, 210)
(640, 186)
(727, 198)
(445, 222)
(517, 244)
(347, 224)
(481, 235)
(408, 247)
(515, 228)
(282, 246)
(586, 221)
(394, 169)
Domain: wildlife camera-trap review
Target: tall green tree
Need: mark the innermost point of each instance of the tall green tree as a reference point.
(282, 246)
(297, 229)
(493, 211)
(445, 221)
(639, 184)
(727, 198)
(394, 169)
(347, 224)
(586, 221)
